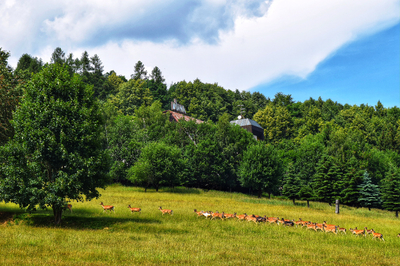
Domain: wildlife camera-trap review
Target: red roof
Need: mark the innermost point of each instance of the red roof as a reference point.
(175, 116)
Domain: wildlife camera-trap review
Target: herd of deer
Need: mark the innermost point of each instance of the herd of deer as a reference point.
(324, 227)
(139, 210)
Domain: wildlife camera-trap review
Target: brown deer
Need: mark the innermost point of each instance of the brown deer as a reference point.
(139, 210)
(165, 211)
(107, 207)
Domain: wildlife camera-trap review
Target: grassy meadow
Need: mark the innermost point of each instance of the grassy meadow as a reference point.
(88, 236)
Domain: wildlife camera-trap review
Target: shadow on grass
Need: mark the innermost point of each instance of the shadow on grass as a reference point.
(177, 190)
(79, 222)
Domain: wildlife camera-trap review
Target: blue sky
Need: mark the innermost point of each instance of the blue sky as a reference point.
(344, 50)
(362, 72)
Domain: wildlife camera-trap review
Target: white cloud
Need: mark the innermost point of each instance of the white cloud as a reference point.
(291, 38)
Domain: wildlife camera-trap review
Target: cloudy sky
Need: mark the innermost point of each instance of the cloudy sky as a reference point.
(344, 50)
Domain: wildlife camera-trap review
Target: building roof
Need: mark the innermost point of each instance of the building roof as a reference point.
(246, 122)
(177, 116)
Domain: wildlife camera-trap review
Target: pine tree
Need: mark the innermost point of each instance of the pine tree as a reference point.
(325, 179)
(391, 190)
(369, 193)
(349, 187)
(140, 72)
(306, 193)
(292, 184)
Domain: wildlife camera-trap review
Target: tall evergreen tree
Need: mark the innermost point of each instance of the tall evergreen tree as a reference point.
(325, 179)
(139, 72)
(391, 190)
(369, 193)
(292, 184)
(58, 56)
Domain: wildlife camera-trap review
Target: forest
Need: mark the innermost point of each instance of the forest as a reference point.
(67, 127)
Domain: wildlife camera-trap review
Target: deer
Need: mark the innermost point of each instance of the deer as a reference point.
(377, 235)
(370, 231)
(357, 232)
(200, 213)
(341, 229)
(69, 207)
(107, 207)
(139, 210)
(165, 211)
(241, 216)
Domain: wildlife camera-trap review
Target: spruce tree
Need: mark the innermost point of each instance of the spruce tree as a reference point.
(391, 190)
(325, 179)
(349, 187)
(292, 184)
(369, 193)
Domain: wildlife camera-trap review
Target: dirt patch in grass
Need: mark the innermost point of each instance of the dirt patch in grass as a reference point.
(6, 217)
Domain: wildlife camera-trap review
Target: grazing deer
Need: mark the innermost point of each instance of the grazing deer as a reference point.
(69, 206)
(165, 211)
(340, 229)
(398, 235)
(107, 207)
(139, 210)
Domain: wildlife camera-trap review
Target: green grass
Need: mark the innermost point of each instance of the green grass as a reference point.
(88, 236)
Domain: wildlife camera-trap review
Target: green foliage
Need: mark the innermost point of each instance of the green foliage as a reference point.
(325, 181)
(9, 97)
(260, 168)
(130, 96)
(56, 153)
(159, 164)
(391, 190)
(276, 121)
(369, 193)
(140, 72)
(292, 184)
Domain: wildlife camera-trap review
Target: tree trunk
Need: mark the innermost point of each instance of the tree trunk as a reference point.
(294, 202)
(269, 195)
(259, 193)
(308, 204)
(57, 215)
(369, 209)
(397, 214)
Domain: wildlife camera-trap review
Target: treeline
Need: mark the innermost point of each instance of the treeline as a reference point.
(314, 150)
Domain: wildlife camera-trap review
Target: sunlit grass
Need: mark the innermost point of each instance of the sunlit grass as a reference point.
(89, 236)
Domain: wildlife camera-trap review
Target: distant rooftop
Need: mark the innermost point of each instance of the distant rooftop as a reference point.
(246, 122)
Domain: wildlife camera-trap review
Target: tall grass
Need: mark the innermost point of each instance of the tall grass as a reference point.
(89, 236)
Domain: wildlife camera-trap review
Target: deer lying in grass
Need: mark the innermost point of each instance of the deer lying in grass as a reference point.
(107, 207)
(139, 210)
(165, 211)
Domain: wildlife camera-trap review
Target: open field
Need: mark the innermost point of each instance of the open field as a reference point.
(88, 236)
